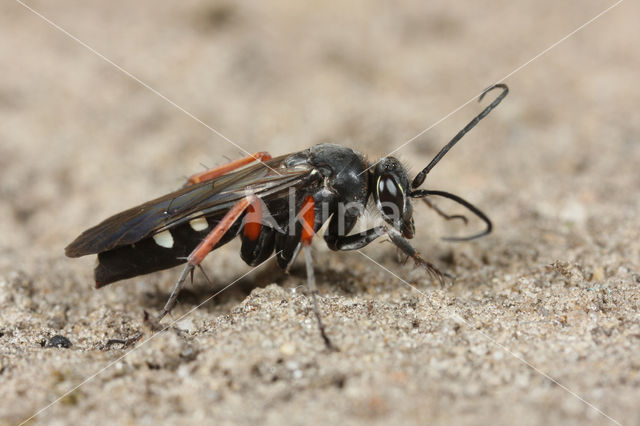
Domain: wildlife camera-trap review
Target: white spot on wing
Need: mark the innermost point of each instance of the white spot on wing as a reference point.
(199, 224)
(164, 239)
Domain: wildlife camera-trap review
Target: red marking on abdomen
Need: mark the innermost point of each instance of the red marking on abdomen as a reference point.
(308, 220)
(253, 221)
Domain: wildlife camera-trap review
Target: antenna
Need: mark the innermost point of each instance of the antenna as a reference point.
(420, 177)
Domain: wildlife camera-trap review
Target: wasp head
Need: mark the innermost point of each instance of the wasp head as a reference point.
(390, 184)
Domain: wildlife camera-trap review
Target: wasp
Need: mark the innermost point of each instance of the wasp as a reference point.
(275, 205)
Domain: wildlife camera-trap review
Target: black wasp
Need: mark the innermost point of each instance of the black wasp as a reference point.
(276, 204)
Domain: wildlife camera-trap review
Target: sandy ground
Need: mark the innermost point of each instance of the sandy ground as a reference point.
(542, 324)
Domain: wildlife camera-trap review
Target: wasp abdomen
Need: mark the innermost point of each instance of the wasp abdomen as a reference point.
(162, 250)
(257, 250)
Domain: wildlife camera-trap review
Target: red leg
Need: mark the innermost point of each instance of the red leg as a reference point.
(307, 214)
(206, 245)
(253, 221)
(219, 171)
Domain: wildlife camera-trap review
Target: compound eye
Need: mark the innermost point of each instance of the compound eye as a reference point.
(390, 196)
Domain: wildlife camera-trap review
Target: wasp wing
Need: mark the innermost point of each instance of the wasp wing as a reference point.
(204, 199)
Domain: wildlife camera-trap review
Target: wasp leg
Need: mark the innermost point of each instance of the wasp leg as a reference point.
(403, 244)
(307, 218)
(311, 282)
(290, 243)
(443, 214)
(226, 168)
(357, 241)
(205, 247)
(422, 193)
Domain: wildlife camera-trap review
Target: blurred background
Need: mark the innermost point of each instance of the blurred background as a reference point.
(554, 166)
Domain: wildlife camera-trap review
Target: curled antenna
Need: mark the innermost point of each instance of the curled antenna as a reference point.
(421, 193)
(420, 177)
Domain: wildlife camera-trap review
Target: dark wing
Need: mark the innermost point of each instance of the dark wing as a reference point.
(203, 199)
